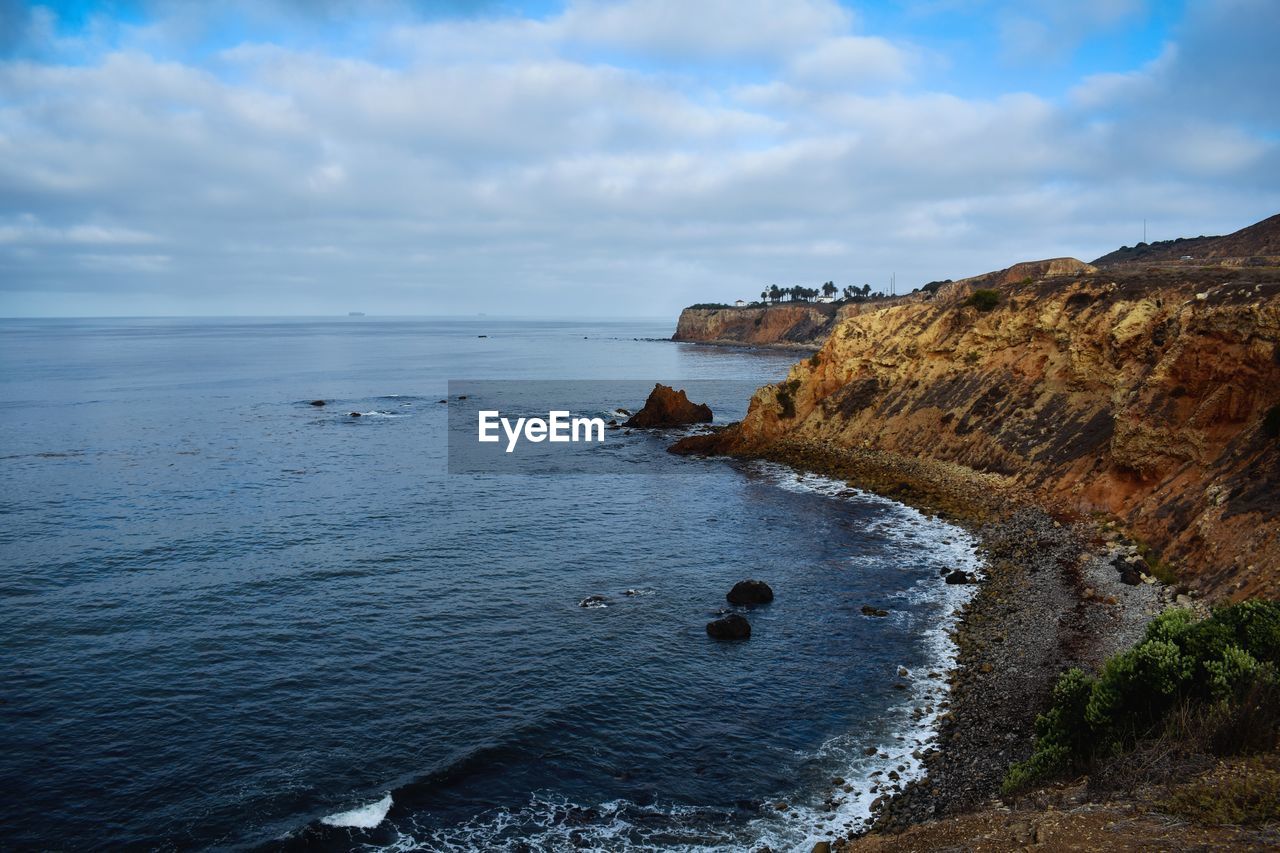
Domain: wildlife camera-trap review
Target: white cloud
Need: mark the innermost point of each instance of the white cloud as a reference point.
(1050, 30)
(747, 29)
(527, 162)
(852, 62)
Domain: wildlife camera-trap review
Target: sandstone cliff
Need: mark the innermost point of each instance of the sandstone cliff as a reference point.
(797, 325)
(1150, 396)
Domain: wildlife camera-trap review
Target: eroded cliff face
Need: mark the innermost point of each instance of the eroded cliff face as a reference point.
(798, 325)
(1142, 395)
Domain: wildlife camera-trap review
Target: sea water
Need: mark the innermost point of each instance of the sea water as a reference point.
(232, 619)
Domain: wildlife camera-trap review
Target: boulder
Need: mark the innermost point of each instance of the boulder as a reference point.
(356, 414)
(317, 402)
(750, 592)
(959, 576)
(868, 610)
(667, 407)
(731, 627)
(594, 601)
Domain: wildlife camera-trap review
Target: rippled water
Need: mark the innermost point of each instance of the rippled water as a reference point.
(232, 619)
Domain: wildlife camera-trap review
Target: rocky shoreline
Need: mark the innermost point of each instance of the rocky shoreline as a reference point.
(1053, 597)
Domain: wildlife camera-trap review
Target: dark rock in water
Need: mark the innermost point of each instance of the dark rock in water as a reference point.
(750, 592)
(594, 601)
(613, 423)
(355, 414)
(442, 401)
(871, 750)
(317, 402)
(667, 407)
(482, 336)
(959, 576)
(821, 847)
(868, 610)
(623, 411)
(462, 396)
(731, 627)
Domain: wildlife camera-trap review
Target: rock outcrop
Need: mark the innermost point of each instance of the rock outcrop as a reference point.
(800, 325)
(1151, 396)
(667, 407)
(750, 592)
(731, 627)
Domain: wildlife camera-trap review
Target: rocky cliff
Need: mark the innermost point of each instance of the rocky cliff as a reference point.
(1149, 396)
(798, 325)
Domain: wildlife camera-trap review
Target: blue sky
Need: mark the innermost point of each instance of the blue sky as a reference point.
(606, 157)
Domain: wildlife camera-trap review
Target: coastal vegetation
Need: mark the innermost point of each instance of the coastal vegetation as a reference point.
(1212, 681)
(983, 299)
(1271, 422)
(849, 293)
(786, 398)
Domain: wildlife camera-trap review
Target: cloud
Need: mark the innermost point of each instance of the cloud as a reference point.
(1048, 30)
(852, 62)
(553, 165)
(709, 29)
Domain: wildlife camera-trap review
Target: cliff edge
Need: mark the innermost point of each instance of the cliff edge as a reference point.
(1151, 396)
(798, 325)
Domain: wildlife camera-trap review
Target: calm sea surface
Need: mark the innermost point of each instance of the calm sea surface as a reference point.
(229, 619)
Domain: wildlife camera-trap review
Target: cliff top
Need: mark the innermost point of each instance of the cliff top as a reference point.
(1262, 239)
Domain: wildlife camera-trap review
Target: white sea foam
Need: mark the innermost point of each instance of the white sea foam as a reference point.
(363, 817)
(912, 724)
(904, 731)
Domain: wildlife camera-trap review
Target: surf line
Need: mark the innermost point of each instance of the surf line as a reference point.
(557, 427)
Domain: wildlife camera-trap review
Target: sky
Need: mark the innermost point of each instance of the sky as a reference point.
(607, 159)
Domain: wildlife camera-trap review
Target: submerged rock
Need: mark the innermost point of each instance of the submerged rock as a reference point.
(356, 414)
(959, 576)
(667, 407)
(750, 592)
(731, 627)
(868, 610)
(594, 601)
(317, 402)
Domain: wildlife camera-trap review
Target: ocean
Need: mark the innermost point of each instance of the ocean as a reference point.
(233, 620)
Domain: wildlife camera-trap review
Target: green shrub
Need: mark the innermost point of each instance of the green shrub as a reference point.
(786, 398)
(1271, 422)
(1221, 664)
(1250, 795)
(983, 300)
